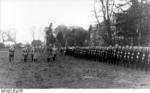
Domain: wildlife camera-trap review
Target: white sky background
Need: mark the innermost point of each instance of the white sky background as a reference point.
(23, 16)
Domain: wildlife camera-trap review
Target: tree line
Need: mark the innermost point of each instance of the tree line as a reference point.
(125, 22)
(67, 36)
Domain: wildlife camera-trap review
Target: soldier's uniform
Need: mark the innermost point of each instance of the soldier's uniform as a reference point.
(109, 58)
(144, 58)
(125, 57)
(148, 59)
(103, 54)
(35, 57)
(25, 54)
(11, 54)
(137, 60)
(54, 53)
(86, 53)
(90, 54)
(100, 54)
(106, 55)
(32, 54)
(121, 56)
(96, 54)
(132, 57)
(140, 62)
(114, 56)
(129, 56)
(118, 55)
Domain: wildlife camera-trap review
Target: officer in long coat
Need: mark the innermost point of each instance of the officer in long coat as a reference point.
(25, 54)
(54, 52)
(11, 53)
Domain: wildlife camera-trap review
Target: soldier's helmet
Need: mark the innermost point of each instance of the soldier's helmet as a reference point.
(135, 48)
(139, 49)
(127, 46)
(110, 45)
(148, 49)
(119, 47)
(144, 49)
(116, 45)
(130, 47)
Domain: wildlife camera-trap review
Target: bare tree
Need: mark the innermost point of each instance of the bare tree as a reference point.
(105, 10)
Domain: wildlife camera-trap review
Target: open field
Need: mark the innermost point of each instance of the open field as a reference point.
(68, 72)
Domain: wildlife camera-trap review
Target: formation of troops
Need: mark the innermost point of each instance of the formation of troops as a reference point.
(129, 56)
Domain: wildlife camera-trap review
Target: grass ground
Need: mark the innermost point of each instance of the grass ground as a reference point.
(67, 72)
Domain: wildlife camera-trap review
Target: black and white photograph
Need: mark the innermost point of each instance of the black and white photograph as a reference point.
(74, 44)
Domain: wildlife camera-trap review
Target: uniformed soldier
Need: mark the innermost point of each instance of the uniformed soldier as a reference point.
(106, 55)
(94, 54)
(49, 53)
(25, 54)
(137, 60)
(132, 57)
(118, 55)
(125, 56)
(32, 53)
(100, 54)
(90, 53)
(111, 57)
(11, 53)
(54, 52)
(128, 56)
(114, 56)
(144, 58)
(140, 62)
(148, 59)
(103, 54)
(121, 56)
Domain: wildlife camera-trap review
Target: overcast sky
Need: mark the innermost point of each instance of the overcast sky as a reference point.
(23, 16)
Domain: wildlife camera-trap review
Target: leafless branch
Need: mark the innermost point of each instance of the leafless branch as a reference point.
(96, 14)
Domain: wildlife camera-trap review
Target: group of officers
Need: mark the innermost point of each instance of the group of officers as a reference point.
(33, 53)
(26, 53)
(30, 53)
(128, 56)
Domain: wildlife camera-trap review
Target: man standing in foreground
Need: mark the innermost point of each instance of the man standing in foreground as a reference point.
(54, 52)
(11, 53)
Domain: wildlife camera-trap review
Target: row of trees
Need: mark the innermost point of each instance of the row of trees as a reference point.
(125, 22)
(67, 36)
(130, 18)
